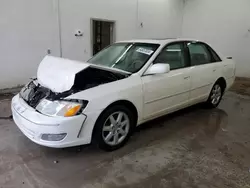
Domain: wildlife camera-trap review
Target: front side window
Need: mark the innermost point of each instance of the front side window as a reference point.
(173, 55)
(199, 54)
(130, 57)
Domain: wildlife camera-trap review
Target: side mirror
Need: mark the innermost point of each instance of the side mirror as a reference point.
(159, 68)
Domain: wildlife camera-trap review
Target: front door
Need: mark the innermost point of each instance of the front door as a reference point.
(168, 92)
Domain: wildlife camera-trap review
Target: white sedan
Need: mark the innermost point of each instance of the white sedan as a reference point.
(126, 84)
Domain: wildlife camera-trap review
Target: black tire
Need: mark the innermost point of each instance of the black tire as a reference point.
(210, 101)
(98, 130)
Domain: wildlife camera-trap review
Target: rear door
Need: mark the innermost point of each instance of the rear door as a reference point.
(204, 71)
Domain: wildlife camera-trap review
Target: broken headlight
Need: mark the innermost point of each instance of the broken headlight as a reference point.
(65, 108)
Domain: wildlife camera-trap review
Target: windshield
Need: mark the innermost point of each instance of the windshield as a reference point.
(130, 57)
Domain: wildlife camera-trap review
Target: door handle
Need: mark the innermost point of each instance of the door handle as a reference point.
(187, 77)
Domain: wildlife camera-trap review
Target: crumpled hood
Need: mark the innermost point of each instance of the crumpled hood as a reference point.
(58, 74)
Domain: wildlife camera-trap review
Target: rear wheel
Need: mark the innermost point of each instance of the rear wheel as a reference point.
(114, 127)
(215, 95)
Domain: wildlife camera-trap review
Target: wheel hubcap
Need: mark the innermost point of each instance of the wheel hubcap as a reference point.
(116, 128)
(216, 94)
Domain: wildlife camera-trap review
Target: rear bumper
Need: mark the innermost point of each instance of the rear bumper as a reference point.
(34, 125)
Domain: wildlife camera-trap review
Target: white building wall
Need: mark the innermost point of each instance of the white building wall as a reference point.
(133, 19)
(225, 24)
(77, 14)
(27, 29)
(159, 18)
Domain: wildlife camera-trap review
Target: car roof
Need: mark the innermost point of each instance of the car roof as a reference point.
(158, 41)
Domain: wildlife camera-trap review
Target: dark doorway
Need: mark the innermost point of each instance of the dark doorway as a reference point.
(103, 34)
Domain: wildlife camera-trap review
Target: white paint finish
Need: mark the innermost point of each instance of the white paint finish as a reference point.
(225, 24)
(58, 74)
(28, 29)
(159, 18)
(205, 76)
(152, 96)
(165, 92)
(202, 80)
(104, 95)
(41, 124)
(227, 69)
(159, 68)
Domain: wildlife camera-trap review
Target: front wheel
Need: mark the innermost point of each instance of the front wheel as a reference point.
(215, 95)
(113, 128)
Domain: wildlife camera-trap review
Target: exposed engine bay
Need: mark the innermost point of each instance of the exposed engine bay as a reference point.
(88, 78)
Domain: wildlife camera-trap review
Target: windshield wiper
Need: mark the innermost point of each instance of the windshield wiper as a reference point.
(117, 61)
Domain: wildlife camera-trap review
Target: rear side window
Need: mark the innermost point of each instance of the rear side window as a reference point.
(215, 56)
(199, 54)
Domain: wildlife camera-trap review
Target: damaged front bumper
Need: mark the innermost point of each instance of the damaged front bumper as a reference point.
(55, 132)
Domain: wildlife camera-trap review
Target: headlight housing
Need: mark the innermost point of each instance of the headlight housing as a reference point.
(62, 108)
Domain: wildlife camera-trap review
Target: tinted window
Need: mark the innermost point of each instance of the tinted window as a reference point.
(215, 56)
(199, 54)
(173, 55)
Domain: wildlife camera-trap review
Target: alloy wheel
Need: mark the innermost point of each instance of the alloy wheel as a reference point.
(216, 94)
(116, 128)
